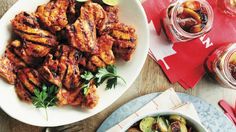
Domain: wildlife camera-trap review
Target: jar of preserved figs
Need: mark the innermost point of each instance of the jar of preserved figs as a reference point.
(221, 65)
(227, 6)
(185, 20)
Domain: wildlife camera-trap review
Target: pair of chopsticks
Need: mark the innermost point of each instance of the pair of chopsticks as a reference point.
(230, 111)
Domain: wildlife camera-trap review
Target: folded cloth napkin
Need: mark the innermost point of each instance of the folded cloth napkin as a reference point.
(184, 62)
(168, 100)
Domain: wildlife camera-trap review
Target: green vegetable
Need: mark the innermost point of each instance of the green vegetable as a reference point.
(177, 118)
(111, 2)
(45, 98)
(162, 124)
(146, 124)
(108, 73)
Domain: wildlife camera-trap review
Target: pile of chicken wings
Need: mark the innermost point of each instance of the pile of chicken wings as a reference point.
(61, 40)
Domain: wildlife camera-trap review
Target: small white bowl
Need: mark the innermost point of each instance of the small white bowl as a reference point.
(198, 126)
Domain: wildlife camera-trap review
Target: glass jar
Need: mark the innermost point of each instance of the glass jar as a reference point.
(221, 65)
(185, 20)
(227, 6)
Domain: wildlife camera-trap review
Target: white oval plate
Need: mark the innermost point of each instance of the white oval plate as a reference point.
(131, 12)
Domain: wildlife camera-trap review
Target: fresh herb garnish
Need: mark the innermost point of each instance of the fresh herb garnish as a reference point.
(45, 98)
(108, 74)
(87, 76)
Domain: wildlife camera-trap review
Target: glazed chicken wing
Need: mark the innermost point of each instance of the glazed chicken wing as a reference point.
(50, 71)
(29, 53)
(21, 92)
(29, 78)
(82, 34)
(104, 54)
(16, 61)
(77, 97)
(26, 26)
(125, 41)
(53, 14)
(100, 57)
(62, 69)
(35, 43)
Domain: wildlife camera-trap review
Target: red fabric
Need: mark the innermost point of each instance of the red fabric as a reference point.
(187, 65)
(153, 10)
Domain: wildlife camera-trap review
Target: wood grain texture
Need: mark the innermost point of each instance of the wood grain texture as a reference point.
(151, 79)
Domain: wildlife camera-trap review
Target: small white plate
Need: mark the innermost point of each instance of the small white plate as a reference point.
(131, 12)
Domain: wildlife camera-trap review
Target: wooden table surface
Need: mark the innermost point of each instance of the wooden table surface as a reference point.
(150, 80)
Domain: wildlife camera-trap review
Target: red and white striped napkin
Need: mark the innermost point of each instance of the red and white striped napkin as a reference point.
(184, 62)
(168, 100)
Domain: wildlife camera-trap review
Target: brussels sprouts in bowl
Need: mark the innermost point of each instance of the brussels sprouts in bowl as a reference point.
(165, 122)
